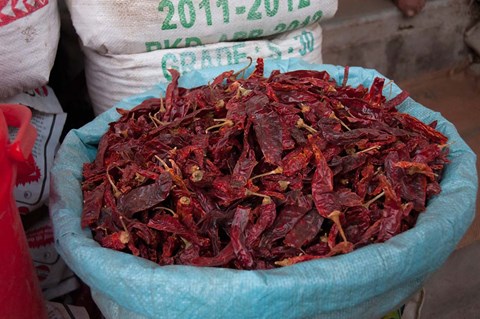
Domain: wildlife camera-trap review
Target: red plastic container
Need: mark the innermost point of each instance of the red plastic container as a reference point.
(20, 296)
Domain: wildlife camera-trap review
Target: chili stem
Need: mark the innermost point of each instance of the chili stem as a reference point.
(153, 120)
(220, 120)
(301, 124)
(335, 217)
(333, 116)
(168, 210)
(194, 168)
(349, 113)
(266, 200)
(376, 147)
(125, 235)
(250, 193)
(242, 92)
(187, 243)
(116, 191)
(162, 107)
(277, 170)
(162, 162)
(344, 125)
(156, 120)
(175, 167)
(283, 185)
(243, 69)
(442, 146)
(304, 108)
(220, 104)
(177, 179)
(226, 122)
(377, 171)
(184, 200)
(197, 176)
(370, 202)
(123, 223)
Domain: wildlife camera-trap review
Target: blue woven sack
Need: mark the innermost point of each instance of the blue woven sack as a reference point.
(367, 283)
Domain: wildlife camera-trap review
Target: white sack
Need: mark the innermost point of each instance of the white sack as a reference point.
(113, 77)
(29, 34)
(125, 26)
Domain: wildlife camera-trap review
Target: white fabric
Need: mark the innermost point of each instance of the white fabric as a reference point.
(113, 77)
(29, 34)
(126, 27)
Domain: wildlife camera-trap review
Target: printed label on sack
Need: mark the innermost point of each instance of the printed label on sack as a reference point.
(40, 237)
(111, 78)
(184, 15)
(172, 24)
(194, 59)
(48, 118)
(11, 10)
(53, 274)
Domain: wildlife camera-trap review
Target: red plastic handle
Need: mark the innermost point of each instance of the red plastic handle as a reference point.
(19, 116)
(21, 294)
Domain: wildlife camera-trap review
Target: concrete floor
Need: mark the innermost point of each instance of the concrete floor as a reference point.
(454, 290)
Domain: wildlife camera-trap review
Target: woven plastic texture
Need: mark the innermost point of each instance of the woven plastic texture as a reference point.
(366, 283)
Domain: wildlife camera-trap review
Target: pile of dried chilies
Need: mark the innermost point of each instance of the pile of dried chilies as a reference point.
(257, 173)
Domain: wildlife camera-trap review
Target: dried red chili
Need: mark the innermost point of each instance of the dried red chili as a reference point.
(257, 173)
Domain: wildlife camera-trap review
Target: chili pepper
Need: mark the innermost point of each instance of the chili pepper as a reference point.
(267, 216)
(143, 232)
(260, 172)
(412, 168)
(222, 258)
(116, 240)
(237, 235)
(286, 220)
(145, 197)
(421, 128)
(305, 230)
(92, 206)
(296, 160)
(170, 224)
(171, 94)
(266, 123)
